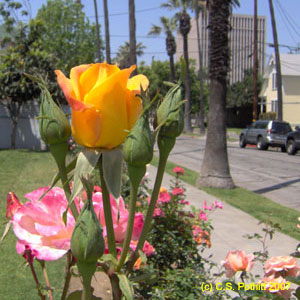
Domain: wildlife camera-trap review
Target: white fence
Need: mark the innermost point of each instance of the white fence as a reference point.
(28, 135)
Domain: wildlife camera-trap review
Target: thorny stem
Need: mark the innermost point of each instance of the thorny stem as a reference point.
(47, 280)
(165, 149)
(68, 275)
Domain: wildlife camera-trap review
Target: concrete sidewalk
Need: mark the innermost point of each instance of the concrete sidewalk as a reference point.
(230, 225)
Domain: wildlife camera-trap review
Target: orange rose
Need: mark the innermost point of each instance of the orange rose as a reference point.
(104, 103)
(237, 261)
(281, 266)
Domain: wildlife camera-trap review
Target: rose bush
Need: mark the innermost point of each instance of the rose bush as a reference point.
(104, 103)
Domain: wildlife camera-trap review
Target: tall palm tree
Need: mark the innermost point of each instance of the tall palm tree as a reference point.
(168, 25)
(184, 28)
(98, 56)
(123, 54)
(132, 35)
(107, 37)
(197, 6)
(215, 167)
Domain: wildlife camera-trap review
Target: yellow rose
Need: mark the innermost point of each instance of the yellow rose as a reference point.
(104, 103)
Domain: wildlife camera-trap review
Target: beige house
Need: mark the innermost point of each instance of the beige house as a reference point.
(290, 71)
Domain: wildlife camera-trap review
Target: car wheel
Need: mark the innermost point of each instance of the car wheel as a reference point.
(261, 145)
(291, 147)
(243, 142)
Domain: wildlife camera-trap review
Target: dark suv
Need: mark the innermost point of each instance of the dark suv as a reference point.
(293, 141)
(263, 134)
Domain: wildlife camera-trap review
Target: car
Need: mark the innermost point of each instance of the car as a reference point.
(293, 141)
(265, 133)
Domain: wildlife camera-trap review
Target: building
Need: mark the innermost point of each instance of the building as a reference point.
(241, 43)
(290, 72)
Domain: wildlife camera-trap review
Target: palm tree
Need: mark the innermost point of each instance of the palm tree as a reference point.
(169, 25)
(132, 37)
(107, 41)
(123, 54)
(215, 168)
(184, 28)
(197, 6)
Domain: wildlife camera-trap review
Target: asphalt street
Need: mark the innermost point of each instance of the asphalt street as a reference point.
(271, 173)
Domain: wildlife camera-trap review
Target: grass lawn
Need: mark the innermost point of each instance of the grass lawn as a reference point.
(22, 171)
(258, 206)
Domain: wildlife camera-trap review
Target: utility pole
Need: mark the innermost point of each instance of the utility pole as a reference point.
(255, 65)
(277, 63)
(97, 33)
(107, 38)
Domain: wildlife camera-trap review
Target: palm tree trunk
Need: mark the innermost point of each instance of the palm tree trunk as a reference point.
(97, 32)
(107, 41)
(278, 66)
(187, 108)
(201, 108)
(132, 37)
(215, 168)
(172, 68)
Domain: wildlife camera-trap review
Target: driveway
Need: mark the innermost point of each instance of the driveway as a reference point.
(271, 173)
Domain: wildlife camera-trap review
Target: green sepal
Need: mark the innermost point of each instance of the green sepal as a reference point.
(112, 170)
(86, 162)
(126, 287)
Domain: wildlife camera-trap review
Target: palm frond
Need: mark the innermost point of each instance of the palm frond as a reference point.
(155, 30)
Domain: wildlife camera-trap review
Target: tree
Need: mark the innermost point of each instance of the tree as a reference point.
(25, 55)
(123, 54)
(107, 37)
(132, 37)
(184, 28)
(68, 36)
(168, 25)
(215, 167)
(197, 6)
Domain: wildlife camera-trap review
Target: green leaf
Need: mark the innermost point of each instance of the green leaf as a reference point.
(125, 286)
(295, 280)
(112, 169)
(148, 277)
(86, 163)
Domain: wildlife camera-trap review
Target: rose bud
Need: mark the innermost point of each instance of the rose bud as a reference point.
(54, 126)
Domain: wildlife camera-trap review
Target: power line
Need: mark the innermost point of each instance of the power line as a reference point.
(126, 12)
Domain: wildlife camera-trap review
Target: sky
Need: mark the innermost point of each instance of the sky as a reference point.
(149, 12)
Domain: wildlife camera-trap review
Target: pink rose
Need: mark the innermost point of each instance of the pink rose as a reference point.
(281, 266)
(158, 212)
(206, 207)
(163, 196)
(39, 226)
(277, 286)
(12, 204)
(218, 204)
(237, 261)
(202, 216)
(178, 171)
(177, 191)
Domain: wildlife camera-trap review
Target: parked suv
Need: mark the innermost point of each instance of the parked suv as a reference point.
(263, 134)
(293, 142)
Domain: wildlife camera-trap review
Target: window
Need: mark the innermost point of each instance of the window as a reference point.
(274, 81)
(274, 106)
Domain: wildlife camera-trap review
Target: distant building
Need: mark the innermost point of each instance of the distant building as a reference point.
(241, 43)
(290, 72)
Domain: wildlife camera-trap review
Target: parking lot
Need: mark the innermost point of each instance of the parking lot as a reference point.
(271, 173)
